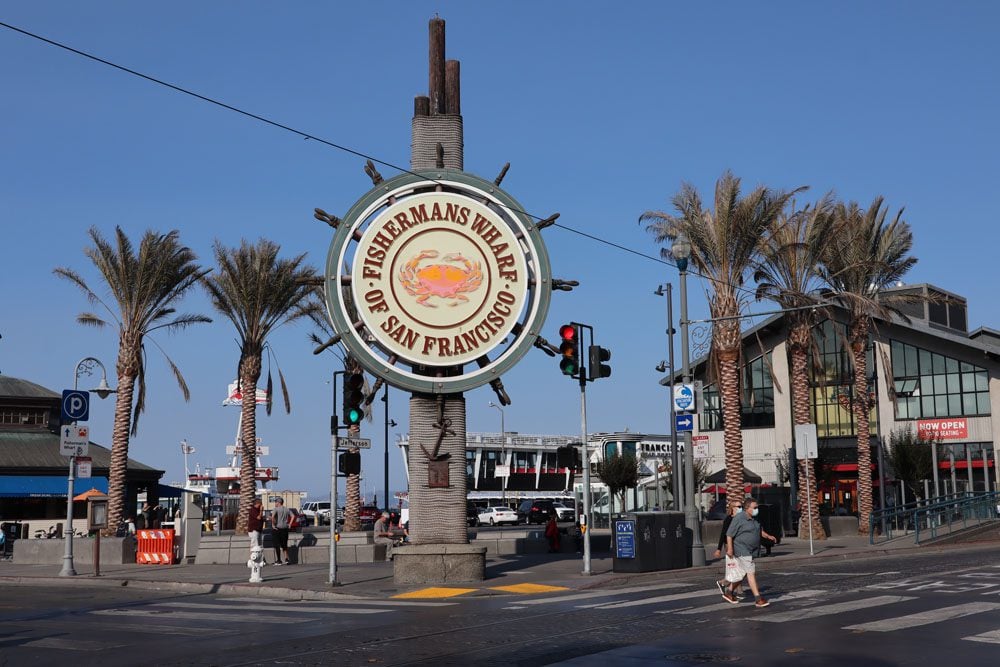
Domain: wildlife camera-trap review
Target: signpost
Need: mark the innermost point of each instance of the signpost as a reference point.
(74, 440)
(683, 397)
(356, 443)
(684, 422)
(806, 447)
(75, 405)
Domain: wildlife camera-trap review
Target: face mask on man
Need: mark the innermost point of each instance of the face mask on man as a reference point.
(754, 511)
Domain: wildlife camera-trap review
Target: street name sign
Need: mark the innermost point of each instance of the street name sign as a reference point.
(75, 405)
(355, 443)
(684, 422)
(74, 440)
(683, 397)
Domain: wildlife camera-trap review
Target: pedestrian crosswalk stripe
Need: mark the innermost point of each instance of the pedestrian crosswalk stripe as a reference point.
(602, 594)
(528, 588)
(161, 615)
(167, 629)
(991, 637)
(784, 597)
(830, 609)
(435, 592)
(275, 608)
(655, 600)
(925, 617)
(72, 644)
(353, 600)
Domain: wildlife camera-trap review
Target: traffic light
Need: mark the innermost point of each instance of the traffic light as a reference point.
(598, 369)
(353, 398)
(565, 456)
(349, 463)
(569, 350)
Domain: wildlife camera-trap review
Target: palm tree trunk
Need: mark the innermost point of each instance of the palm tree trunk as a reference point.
(352, 505)
(799, 339)
(249, 375)
(119, 450)
(861, 407)
(729, 387)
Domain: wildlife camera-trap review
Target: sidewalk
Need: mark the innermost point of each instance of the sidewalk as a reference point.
(375, 580)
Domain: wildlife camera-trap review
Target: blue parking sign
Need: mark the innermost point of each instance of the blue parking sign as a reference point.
(75, 405)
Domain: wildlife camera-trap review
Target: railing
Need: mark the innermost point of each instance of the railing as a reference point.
(925, 518)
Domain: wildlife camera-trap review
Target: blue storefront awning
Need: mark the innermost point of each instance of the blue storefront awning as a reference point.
(46, 486)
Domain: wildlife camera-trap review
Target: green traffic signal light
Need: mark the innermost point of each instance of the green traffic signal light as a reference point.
(353, 397)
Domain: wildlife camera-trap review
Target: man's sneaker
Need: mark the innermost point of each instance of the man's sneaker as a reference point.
(277, 562)
(761, 603)
(729, 597)
(721, 586)
(287, 562)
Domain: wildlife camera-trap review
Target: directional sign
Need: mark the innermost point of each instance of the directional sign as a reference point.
(355, 443)
(75, 405)
(74, 440)
(684, 422)
(683, 397)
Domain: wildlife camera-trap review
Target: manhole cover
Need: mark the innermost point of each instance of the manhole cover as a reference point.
(702, 658)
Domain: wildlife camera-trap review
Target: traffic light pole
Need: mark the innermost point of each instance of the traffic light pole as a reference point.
(585, 520)
(690, 511)
(335, 432)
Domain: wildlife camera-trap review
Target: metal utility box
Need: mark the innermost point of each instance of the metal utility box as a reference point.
(649, 541)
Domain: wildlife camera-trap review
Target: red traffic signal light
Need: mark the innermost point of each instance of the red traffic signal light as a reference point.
(569, 350)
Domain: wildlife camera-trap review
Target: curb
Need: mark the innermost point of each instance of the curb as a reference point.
(244, 590)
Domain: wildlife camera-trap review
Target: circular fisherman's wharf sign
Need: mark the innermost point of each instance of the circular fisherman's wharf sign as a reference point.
(440, 277)
(438, 282)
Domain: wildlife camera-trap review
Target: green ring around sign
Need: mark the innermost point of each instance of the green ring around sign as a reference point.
(469, 185)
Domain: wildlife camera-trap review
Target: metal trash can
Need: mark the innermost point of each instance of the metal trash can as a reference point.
(634, 549)
(672, 541)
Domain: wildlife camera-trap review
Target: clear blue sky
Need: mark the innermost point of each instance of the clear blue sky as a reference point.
(603, 109)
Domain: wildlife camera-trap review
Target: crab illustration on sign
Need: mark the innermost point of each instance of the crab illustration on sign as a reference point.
(444, 280)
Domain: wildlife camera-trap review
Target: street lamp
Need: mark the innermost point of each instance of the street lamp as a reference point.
(388, 423)
(681, 252)
(503, 453)
(675, 455)
(84, 367)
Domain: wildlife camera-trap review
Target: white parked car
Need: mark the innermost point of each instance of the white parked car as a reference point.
(496, 516)
(318, 512)
(564, 512)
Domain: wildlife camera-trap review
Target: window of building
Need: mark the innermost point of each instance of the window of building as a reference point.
(832, 383)
(16, 416)
(758, 399)
(929, 385)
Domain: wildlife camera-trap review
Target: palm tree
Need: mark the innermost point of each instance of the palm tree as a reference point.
(144, 288)
(724, 244)
(257, 292)
(866, 254)
(788, 274)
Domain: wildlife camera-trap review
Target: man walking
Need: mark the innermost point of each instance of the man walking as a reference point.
(742, 539)
(280, 521)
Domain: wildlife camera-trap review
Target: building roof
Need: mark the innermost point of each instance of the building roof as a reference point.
(11, 387)
(39, 450)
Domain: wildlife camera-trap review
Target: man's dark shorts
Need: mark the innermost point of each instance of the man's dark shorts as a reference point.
(280, 538)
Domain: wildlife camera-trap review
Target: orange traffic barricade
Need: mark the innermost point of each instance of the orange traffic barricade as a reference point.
(154, 547)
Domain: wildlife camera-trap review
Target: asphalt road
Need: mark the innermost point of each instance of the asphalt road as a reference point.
(935, 606)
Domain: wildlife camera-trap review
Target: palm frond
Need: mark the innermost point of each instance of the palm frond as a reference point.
(90, 320)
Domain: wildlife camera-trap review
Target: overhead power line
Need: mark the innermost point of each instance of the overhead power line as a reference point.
(325, 142)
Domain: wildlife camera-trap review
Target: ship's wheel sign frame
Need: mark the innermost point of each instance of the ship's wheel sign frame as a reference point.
(437, 281)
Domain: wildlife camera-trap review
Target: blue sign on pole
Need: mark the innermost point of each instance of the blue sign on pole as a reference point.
(75, 405)
(625, 539)
(684, 422)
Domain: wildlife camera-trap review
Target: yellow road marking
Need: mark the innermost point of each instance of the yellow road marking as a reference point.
(529, 588)
(435, 592)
